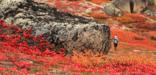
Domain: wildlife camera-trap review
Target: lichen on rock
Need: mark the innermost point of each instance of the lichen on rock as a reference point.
(62, 29)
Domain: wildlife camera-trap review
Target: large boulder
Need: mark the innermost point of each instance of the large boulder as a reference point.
(62, 29)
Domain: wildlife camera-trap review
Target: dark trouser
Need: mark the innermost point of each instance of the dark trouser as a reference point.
(115, 45)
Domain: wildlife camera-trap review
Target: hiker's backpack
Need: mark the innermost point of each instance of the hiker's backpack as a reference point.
(115, 40)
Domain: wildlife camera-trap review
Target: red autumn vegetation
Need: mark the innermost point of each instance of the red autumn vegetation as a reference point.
(131, 18)
(146, 25)
(153, 17)
(23, 53)
(99, 1)
(82, 7)
(98, 15)
(134, 39)
(151, 35)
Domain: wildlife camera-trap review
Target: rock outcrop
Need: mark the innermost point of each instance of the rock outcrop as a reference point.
(111, 9)
(117, 7)
(62, 29)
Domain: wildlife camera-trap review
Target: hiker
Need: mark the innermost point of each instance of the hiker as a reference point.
(115, 42)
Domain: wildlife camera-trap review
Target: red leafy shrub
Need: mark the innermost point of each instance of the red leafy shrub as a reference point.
(18, 37)
(24, 51)
(67, 6)
(131, 18)
(138, 38)
(153, 17)
(82, 7)
(98, 15)
(151, 35)
(88, 59)
(146, 25)
(119, 64)
(99, 1)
